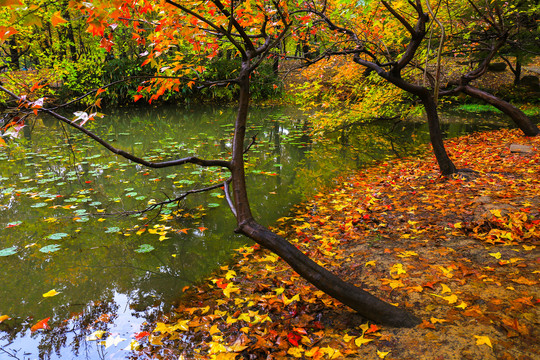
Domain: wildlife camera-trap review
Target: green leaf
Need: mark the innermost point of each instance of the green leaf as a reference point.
(57, 236)
(50, 248)
(144, 248)
(8, 251)
(38, 205)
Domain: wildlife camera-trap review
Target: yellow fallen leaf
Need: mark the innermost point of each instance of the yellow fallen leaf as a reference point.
(370, 263)
(214, 329)
(296, 351)
(463, 305)
(445, 289)
(230, 274)
(397, 269)
(458, 225)
(51, 293)
(496, 212)
(435, 320)
(382, 354)
(451, 299)
(361, 341)
(288, 301)
(480, 340)
(4, 318)
(496, 255)
(529, 248)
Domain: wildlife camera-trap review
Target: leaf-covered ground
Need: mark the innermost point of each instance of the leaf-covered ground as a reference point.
(461, 253)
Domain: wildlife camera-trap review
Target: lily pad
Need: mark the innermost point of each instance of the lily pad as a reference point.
(213, 205)
(38, 205)
(113, 229)
(8, 251)
(50, 248)
(57, 236)
(144, 248)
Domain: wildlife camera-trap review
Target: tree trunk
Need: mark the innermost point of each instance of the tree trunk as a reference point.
(517, 73)
(367, 305)
(446, 165)
(14, 54)
(364, 303)
(519, 118)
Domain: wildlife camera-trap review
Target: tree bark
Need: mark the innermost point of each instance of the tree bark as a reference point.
(14, 53)
(519, 118)
(446, 165)
(367, 305)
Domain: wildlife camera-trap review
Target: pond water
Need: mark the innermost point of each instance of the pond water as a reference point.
(63, 235)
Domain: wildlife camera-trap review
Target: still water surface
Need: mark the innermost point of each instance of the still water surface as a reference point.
(60, 227)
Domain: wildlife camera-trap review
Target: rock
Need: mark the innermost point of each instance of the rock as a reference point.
(497, 67)
(530, 81)
(517, 148)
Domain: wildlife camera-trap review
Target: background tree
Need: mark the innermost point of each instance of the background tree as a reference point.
(486, 30)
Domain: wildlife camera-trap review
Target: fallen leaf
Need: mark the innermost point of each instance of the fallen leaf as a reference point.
(42, 324)
(481, 340)
(51, 293)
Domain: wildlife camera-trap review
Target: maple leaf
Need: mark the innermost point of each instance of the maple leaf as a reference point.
(141, 335)
(359, 341)
(42, 324)
(57, 19)
(230, 288)
(481, 340)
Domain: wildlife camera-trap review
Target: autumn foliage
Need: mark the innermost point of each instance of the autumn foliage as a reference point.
(460, 251)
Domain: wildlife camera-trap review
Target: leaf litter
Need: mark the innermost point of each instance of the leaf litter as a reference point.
(459, 252)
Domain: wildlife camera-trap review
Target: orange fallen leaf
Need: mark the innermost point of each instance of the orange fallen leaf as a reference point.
(42, 324)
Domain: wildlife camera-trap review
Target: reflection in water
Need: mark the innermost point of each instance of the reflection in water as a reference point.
(55, 194)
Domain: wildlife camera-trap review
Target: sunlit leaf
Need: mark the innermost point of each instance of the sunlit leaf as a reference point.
(51, 293)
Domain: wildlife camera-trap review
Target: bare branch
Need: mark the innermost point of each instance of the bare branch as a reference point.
(129, 156)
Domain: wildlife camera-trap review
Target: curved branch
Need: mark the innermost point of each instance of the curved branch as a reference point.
(129, 156)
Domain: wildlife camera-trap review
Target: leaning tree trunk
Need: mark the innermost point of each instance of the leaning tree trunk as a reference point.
(367, 305)
(519, 118)
(446, 165)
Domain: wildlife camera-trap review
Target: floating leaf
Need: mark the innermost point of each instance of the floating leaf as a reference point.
(113, 229)
(50, 248)
(51, 293)
(42, 324)
(38, 205)
(8, 251)
(144, 248)
(57, 236)
(13, 224)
